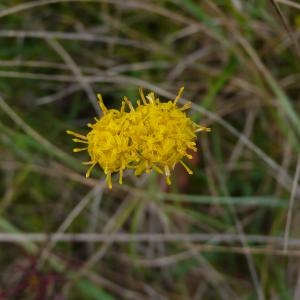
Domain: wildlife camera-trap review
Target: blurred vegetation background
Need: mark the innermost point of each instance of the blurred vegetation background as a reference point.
(230, 231)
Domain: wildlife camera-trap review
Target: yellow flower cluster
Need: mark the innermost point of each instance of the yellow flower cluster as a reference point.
(154, 135)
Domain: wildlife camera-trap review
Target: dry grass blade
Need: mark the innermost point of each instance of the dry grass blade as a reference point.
(59, 95)
(31, 132)
(289, 3)
(70, 219)
(286, 26)
(209, 238)
(291, 206)
(82, 36)
(77, 72)
(164, 262)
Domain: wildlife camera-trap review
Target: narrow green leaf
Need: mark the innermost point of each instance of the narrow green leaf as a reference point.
(91, 291)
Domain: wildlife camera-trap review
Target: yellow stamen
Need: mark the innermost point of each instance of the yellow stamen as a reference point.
(108, 180)
(76, 134)
(128, 102)
(123, 107)
(101, 104)
(140, 169)
(88, 172)
(142, 96)
(168, 180)
(202, 128)
(151, 97)
(79, 149)
(179, 95)
(80, 141)
(186, 167)
(186, 106)
(87, 162)
(188, 156)
(121, 176)
(157, 169)
(167, 172)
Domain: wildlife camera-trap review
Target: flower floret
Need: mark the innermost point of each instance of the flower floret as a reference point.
(153, 136)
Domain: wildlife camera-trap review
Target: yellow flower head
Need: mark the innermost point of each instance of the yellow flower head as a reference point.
(154, 136)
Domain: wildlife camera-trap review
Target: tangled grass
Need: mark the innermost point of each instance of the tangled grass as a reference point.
(230, 231)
